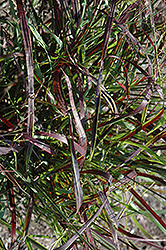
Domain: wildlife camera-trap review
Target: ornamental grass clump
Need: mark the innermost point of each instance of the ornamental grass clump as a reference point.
(82, 124)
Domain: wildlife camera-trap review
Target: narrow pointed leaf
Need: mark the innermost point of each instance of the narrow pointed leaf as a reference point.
(58, 92)
(11, 126)
(76, 174)
(81, 230)
(63, 139)
(28, 215)
(13, 216)
(147, 149)
(105, 241)
(108, 28)
(107, 175)
(108, 208)
(37, 244)
(79, 127)
(29, 64)
(11, 178)
(39, 144)
(97, 106)
(143, 202)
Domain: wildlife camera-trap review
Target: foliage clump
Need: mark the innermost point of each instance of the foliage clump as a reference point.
(82, 121)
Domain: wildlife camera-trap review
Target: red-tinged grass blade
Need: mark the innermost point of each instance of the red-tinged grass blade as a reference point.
(145, 125)
(79, 127)
(58, 16)
(29, 64)
(141, 200)
(150, 40)
(108, 208)
(123, 231)
(58, 92)
(128, 34)
(128, 11)
(108, 28)
(90, 237)
(39, 144)
(141, 70)
(138, 238)
(28, 216)
(81, 101)
(11, 178)
(76, 174)
(107, 175)
(13, 215)
(9, 124)
(97, 106)
(104, 240)
(81, 230)
(98, 87)
(127, 83)
(63, 139)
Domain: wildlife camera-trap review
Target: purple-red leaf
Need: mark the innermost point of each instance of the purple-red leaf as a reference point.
(58, 92)
(79, 127)
(13, 215)
(143, 202)
(39, 144)
(28, 215)
(7, 122)
(76, 175)
(108, 28)
(138, 238)
(29, 64)
(63, 139)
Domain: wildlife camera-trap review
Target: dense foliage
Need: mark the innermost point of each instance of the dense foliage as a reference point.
(82, 122)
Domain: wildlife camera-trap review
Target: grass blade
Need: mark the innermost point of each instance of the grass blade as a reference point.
(13, 214)
(39, 144)
(63, 139)
(76, 174)
(29, 64)
(142, 201)
(79, 127)
(81, 230)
